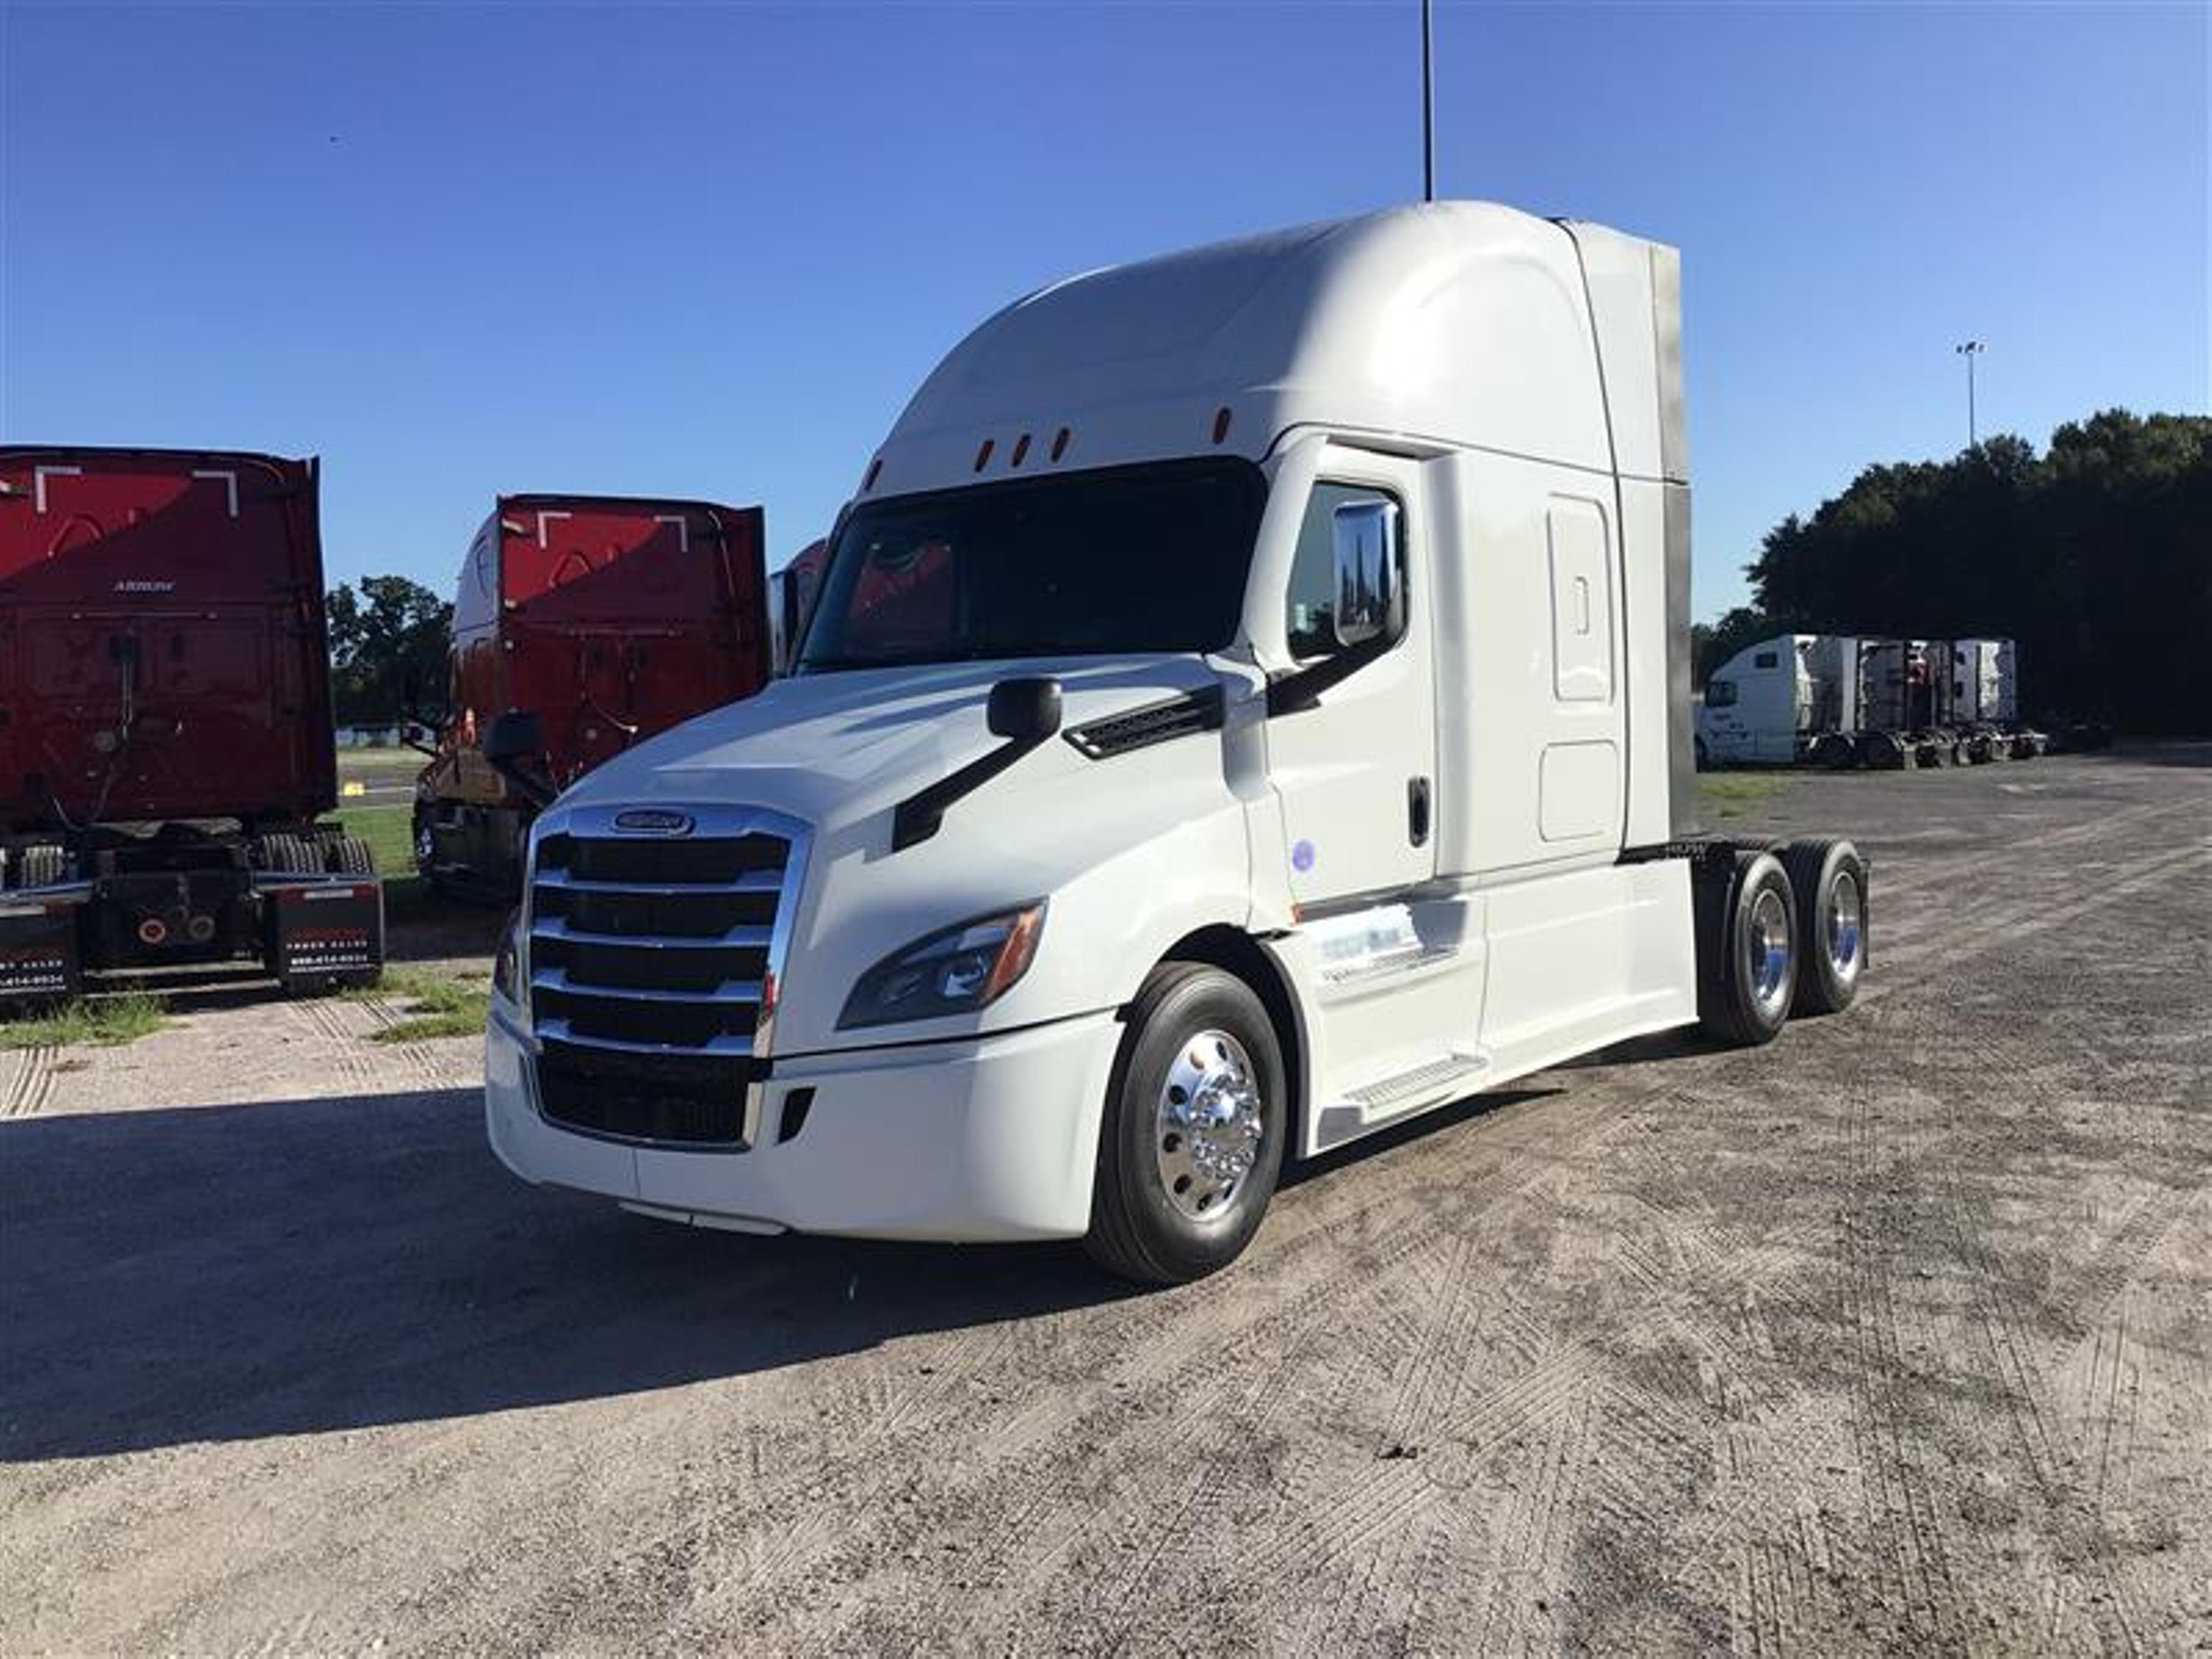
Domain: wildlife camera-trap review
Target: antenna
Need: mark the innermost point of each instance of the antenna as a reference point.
(1428, 102)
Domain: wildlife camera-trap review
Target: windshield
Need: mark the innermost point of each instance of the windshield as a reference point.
(1127, 560)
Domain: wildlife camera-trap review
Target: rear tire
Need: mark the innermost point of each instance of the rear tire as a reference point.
(43, 866)
(1880, 751)
(1746, 989)
(1197, 1114)
(350, 855)
(1830, 879)
(290, 855)
(1834, 752)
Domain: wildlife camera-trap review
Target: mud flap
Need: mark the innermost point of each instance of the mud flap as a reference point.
(40, 957)
(324, 933)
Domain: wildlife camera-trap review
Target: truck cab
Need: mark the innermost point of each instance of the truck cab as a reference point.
(1245, 705)
(610, 618)
(1759, 706)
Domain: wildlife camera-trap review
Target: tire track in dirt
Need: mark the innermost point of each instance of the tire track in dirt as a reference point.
(1522, 1610)
(1311, 1267)
(1396, 1495)
(320, 1018)
(1933, 871)
(30, 1083)
(1972, 924)
(426, 1062)
(1910, 1553)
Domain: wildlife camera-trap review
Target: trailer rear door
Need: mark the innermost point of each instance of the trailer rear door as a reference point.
(162, 650)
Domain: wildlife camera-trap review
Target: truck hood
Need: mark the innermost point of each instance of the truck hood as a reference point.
(839, 751)
(831, 749)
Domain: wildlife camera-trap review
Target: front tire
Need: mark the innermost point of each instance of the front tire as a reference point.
(1197, 1114)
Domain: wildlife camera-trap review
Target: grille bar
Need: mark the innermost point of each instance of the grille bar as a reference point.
(730, 990)
(754, 881)
(733, 1048)
(736, 938)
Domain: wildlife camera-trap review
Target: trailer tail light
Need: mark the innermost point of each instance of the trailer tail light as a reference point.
(153, 931)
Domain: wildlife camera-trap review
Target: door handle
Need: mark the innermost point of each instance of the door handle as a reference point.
(1417, 812)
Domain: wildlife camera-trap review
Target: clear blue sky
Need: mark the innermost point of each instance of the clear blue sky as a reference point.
(709, 250)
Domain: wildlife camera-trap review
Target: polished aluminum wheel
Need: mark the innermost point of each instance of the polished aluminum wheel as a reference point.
(1208, 1126)
(1841, 925)
(1766, 946)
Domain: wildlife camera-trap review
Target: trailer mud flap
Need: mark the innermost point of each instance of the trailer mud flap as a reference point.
(323, 933)
(39, 953)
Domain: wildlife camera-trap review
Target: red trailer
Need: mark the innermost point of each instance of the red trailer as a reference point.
(612, 618)
(165, 742)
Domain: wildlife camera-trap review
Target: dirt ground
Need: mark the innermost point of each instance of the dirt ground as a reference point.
(1897, 1336)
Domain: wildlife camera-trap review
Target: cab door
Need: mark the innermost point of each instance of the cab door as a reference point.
(1355, 768)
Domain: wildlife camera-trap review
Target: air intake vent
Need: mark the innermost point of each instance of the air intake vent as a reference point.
(1158, 722)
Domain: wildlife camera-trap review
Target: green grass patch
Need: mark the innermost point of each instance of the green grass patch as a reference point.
(1725, 795)
(105, 1022)
(390, 833)
(430, 1005)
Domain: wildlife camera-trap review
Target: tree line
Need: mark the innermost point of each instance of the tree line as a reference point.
(2096, 555)
(389, 639)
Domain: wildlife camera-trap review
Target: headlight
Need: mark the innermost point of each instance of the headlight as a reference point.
(506, 966)
(955, 972)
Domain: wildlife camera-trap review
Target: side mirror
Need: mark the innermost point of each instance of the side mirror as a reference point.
(517, 735)
(512, 744)
(1369, 601)
(1026, 710)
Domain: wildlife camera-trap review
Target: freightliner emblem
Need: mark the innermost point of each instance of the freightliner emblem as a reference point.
(649, 821)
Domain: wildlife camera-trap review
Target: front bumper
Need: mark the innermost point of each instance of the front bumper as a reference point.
(992, 1137)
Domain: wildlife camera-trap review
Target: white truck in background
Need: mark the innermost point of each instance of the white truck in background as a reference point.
(1837, 701)
(1246, 705)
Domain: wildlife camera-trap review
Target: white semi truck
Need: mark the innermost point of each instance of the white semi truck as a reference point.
(1246, 705)
(1837, 701)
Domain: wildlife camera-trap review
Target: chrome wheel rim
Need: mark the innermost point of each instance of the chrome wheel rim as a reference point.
(1208, 1126)
(1843, 923)
(1767, 949)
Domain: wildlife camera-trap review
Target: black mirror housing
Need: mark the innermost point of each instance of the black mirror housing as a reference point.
(517, 735)
(1025, 710)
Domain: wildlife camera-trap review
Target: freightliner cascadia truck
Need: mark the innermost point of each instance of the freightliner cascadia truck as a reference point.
(166, 743)
(1282, 729)
(609, 618)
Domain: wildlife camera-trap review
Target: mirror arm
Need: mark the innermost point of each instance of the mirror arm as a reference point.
(532, 788)
(919, 816)
(1302, 688)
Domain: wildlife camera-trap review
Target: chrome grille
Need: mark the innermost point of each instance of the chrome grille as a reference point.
(658, 951)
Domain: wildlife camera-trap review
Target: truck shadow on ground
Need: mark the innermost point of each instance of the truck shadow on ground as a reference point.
(231, 1273)
(234, 1271)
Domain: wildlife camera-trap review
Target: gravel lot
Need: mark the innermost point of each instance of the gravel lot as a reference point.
(1895, 1335)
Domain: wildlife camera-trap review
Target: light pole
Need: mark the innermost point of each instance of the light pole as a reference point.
(1428, 104)
(1969, 350)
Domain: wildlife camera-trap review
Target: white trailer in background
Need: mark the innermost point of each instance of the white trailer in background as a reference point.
(1246, 705)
